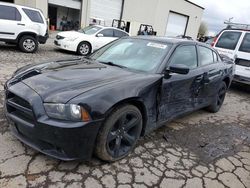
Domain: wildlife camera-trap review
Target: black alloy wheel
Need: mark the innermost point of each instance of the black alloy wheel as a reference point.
(219, 99)
(119, 134)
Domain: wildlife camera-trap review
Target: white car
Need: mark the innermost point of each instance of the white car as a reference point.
(23, 26)
(235, 44)
(89, 39)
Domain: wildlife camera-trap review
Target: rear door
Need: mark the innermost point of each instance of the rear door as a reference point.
(213, 70)
(181, 92)
(243, 57)
(10, 22)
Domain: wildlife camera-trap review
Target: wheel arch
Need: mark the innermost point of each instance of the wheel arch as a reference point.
(26, 34)
(135, 101)
(91, 48)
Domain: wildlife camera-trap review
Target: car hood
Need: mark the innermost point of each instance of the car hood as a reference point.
(61, 81)
(71, 34)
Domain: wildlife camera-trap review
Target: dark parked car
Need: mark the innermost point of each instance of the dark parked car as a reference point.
(102, 104)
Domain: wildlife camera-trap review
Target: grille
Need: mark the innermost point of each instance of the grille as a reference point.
(242, 62)
(58, 37)
(19, 107)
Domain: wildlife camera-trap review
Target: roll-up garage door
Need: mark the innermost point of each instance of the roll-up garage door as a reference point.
(176, 25)
(75, 4)
(106, 10)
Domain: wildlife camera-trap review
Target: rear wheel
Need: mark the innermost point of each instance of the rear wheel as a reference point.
(218, 99)
(28, 44)
(119, 134)
(84, 49)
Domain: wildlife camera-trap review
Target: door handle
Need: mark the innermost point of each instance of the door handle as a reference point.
(199, 78)
(21, 24)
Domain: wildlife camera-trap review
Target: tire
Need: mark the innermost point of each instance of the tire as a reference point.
(119, 133)
(28, 44)
(218, 99)
(84, 49)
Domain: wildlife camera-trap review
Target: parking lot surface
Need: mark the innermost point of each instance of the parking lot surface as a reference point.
(198, 150)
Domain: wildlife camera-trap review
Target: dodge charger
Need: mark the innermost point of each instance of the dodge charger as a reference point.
(100, 105)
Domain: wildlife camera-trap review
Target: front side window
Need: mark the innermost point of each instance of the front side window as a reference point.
(228, 40)
(9, 13)
(245, 45)
(206, 56)
(33, 15)
(107, 32)
(185, 55)
(136, 54)
(90, 30)
(119, 34)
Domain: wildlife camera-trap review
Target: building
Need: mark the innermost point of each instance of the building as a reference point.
(168, 17)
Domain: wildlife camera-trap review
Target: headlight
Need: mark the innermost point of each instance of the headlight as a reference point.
(67, 112)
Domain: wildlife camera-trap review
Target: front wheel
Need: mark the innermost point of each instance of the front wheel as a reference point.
(119, 133)
(218, 99)
(84, 49)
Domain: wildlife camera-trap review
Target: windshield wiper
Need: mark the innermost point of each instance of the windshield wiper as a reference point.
(113, 64)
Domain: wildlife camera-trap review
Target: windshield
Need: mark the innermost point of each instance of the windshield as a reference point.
(137, 54)
(90, 30)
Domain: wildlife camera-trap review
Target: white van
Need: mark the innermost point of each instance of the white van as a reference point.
(23, 26)
(235, 43)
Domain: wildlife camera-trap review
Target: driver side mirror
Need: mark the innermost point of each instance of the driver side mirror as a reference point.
(100, 35)
(178, 69)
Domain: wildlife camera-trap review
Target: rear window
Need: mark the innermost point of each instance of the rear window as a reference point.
(228, 40)
(33, 15)
(9, 13)
(245, 45)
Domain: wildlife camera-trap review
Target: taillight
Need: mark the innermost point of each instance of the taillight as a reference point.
(214, 41)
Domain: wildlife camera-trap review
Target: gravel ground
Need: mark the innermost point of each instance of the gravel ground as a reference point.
(198, 150)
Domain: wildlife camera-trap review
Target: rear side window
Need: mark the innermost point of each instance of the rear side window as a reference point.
(9, 13)
(206, 56)
(228, 40)
(185, 55)
(119, 34)
(33, 15)
(245, 45)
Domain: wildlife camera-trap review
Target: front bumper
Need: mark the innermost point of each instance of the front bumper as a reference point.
(65, 45)
(59, 139)
(241, 79)
(43, 39)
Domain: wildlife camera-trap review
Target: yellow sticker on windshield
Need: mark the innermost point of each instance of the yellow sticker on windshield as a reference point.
(157, 45)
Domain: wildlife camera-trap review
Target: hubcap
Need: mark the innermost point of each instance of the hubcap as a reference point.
(123, 134)
(84, 49)
(221, 96)
(29, 45)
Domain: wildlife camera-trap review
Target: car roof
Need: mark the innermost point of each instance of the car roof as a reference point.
(107, 27)
(172, 40)
(16, 5)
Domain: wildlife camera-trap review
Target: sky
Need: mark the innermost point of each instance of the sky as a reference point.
(218, 11)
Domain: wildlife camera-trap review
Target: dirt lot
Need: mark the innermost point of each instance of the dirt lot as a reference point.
(198, 150)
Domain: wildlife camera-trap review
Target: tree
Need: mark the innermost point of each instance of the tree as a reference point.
(203, 29)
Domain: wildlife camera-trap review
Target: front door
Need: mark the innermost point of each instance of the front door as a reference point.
(107, 37)
(179, 92)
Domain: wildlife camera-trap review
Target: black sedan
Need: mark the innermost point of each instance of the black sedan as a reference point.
(72, 108)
